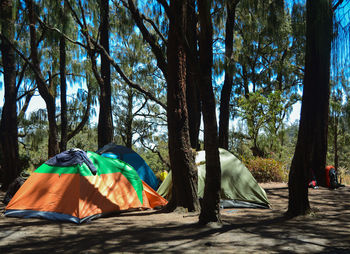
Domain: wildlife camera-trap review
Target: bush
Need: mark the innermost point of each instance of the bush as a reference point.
(266, 170)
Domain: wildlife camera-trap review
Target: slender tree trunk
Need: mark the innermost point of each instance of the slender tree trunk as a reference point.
(181, 156)
(193, 76)
(311, 148)
(129, 120)
(210, 211)
(63, 83)
(53, 147)
(63, 87)
(105, 122)
(336, 157)
(227, 87)
(8, 126)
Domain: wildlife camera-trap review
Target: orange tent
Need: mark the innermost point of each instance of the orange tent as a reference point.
(73, 193)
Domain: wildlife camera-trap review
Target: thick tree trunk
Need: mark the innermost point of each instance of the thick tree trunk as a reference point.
(228, 82)
(193, 76)
(210, 211)
(311, 148)
(181, 156)
(8, 126)
(53, 147)
(105, 122)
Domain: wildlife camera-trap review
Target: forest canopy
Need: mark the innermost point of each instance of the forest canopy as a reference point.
(101, 69)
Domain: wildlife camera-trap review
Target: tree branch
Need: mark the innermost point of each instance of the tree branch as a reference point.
(155, 28)
(165, 6)
(127, 80)
(147, 36)
(21, 76)
(60, 33)
(101, 49)
(154, 150)
(337, 5)
(85, 117)
(29, 94)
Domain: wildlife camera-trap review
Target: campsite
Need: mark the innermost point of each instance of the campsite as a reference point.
(174, 126)
(244, 230)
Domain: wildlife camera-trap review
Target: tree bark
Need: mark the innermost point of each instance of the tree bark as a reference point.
(147, 36)
(336, 156)
(44, 91)
(8, 126)
(311, 148)
(63, 83)
(210, 210)
(228, 82)
(181, 156)
(63, 87)
(105, 122)
(129, 120)
(193, 76)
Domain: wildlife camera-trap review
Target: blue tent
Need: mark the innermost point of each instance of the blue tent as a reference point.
(131, 157)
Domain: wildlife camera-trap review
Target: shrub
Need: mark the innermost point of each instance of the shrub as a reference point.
(266, 170)
(343, 176)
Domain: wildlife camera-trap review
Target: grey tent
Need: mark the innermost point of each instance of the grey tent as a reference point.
(238, 186)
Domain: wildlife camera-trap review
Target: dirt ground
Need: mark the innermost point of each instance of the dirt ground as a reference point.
(243, 230)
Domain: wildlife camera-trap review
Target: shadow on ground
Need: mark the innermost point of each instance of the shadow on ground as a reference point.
(243, 230)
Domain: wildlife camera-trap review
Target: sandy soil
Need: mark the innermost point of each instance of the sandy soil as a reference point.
(243, 230)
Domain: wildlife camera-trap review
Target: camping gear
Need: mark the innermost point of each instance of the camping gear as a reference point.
(163, 175)
(72, 157)
(73, 193)
(13, 188)
(238, 186)
(131, 157)
(332, 177)
(312, 182)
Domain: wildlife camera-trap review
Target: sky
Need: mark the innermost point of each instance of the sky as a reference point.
(38, 103)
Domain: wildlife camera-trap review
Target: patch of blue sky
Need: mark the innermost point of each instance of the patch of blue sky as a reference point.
(2, 90)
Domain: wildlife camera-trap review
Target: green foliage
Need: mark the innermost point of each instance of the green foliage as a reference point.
(157, 156)
(267, 170)
(153, 161)
(267, 64)
(339, 124)
(24, 164)
(85, 140)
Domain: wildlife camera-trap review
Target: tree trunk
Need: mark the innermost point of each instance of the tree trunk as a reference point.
(311, 148)
(8, 126)
(105, 122)
(210, 211)
(44, 91)
(181, 156)
(227, 87)
(63, 87)
(149, 37)
(336, 157)
(193, 76)
(129, 120)
(63, 83)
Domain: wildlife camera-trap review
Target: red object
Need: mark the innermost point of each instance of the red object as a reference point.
(312, 184)
(328, 180)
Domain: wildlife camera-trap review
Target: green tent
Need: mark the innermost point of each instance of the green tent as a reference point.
(238, 186)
